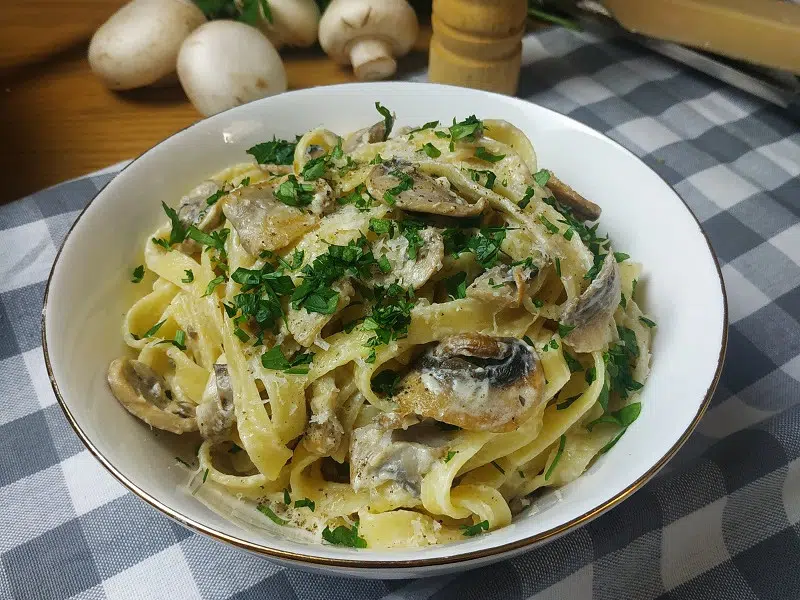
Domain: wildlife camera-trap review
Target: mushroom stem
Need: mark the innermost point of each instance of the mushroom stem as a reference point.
(372, 59)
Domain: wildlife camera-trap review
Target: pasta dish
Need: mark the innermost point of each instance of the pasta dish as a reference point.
(393, 338)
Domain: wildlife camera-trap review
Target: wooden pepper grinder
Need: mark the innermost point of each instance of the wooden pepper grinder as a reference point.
(477, 43)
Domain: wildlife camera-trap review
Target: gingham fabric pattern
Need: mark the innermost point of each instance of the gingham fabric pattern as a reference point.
(721, 521)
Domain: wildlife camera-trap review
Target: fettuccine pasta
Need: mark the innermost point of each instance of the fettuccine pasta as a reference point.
(387, 339)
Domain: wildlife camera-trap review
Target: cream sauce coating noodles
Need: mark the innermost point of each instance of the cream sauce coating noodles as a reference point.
(385, 340)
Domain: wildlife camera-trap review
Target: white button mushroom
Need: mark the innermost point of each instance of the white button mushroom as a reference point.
(368, 34)
(290, 22)
(225, 63)
(139, 44)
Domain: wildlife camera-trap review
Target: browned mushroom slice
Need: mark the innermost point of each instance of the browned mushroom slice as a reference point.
(502, 286)
(367, 135)
(591, 312)
(143, 392)
(216, 416)
(399, 184)
(584, 209)
(195, 210)
(324, 432)
(406, 271)
(262, 221)
(475, 381)
(395, 449)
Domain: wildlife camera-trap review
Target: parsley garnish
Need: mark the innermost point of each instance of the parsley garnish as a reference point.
(178, 232)
(527, 340)
(216, 239)
(469, 129)
(189, 276)
(183, 462)
(388, 120)
(161, 242)
(538, 303)
(386, 382)
(266, 510)
(591, 375)
(152, 331)
(558, 266)
(205, 476)
(526, 199)
(572, 362)
(429, 125)
(179, 342)
(410, 230)
(455, 241)
(633, 288)
(274, 360)
(344, 536)
(541, 177)
(569, 233)
(287, 499)
(622, 417)
(618, 361)
(623, 301)
(456, 286)
(450, 456)
(564, 330)
(382, 226)
(431, 150)
(213, 284)
(390, 317)
(648, 322)
(309, 504)
(260, 297)
(294, 193)
(315, 168)
(377, 160)
(138, 274)
(561, 442)
(498, 467)
(567, 403)
(483, 154)
(212, 199)
(486, 245)
(475, 175)
(357, 198)
(472, 530)
(406, 183)
(276, 152)
(551, 228)
(621, 256)
(297, 260)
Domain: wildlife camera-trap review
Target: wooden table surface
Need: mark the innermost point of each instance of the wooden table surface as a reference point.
(59, 122)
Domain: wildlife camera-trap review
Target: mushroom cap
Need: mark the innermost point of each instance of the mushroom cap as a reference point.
(223, 64)
(139, 44)
(475, 381)
(294, 22)
(143, 393)
(348, 21)
(216, 414)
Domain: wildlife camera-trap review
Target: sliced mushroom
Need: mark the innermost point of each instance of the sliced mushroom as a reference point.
(324, 432)
(143, 392)
(405, 271)
(215, 415)
(422, 194)
(394, 448)
(306, 326)
(314, 151)
(475, 381)
(262, 221)
(323, 202)
(503, 286)
(591, 312)
(195, 210)
(584, 209)
(367, 135)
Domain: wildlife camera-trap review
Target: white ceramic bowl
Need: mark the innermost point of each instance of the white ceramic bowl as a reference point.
(89, 291)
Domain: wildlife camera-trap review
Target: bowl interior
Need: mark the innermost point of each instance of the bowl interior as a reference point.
(89, 292)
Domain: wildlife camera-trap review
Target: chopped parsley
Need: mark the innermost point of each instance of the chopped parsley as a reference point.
(161, 242)
(179, 342)
(431, 150)
(386, 382)
(526, 199)
(359, 197)
(315, 168)
(150, 332)
(473, 530)
(388, 120)
(189, 276)
(498, 467)
(633, 288)
(138, 274)
(390, 317)
(569, 233)
(305, 502)
(294, 193)
(212, 199)
(259, 300)
(382, 226)
(244, 182)
(527, 340)
(178, 232)
(287, 499)
(296, 260)
(572, 362)
(276, 152)
(623, 301)
(205, 476)
(274, 360)
(456, 286)
(215, 239)
(469, 130)
(406, 183)
(213, 284)
(450, 456)
(621, 256)
(561, 443)
(183, 462)
(599, 259)
(476, 175)
(564, 330)
(538, 303)
(619, 359)
(266, 510)
(541, 177)
(455, 241)
(591, 375)
(377, 160)
(344, 536)
(549, 225)
(567, 403)
(648, 322)
(483, 154)
(558, 266)
(410, 230)
(622, 417)
(486, 245)
(429, 125)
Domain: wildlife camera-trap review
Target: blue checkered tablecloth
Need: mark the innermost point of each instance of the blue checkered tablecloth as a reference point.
(721, 521)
